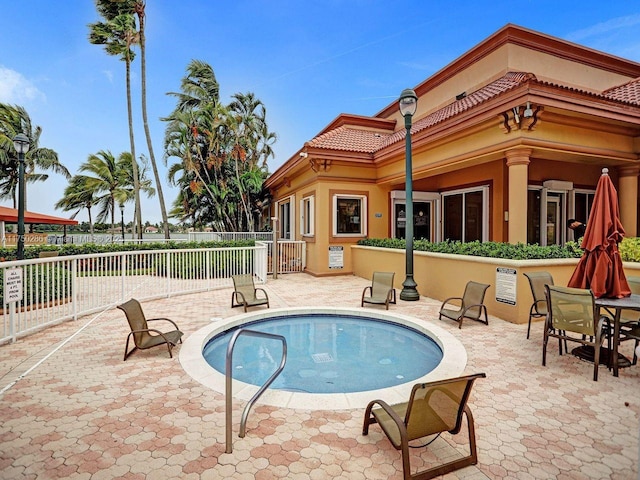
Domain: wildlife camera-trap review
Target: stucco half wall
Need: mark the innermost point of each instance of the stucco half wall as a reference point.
(440, 276)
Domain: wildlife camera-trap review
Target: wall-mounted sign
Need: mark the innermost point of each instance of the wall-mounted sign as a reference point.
(506, 282)
(336, 257)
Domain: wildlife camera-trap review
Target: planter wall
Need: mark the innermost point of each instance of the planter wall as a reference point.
(440, 276)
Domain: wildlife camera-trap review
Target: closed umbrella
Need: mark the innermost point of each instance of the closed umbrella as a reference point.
(600, 268)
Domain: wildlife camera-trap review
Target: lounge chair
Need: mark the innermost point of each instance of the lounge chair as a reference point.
(245, 293)
(381, 291)
(471, 304)
(537, 281)
(433, 408)
(572, 311)
(143, 336)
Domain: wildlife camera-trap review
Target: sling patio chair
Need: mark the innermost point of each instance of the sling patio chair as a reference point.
(143, 336)
(381, 291)
(245, 293)
(537, 281)
(433, 408)
(630, 320)
(571, 317)
(471, 304)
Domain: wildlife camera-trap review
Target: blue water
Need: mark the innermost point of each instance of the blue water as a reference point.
(328, 354)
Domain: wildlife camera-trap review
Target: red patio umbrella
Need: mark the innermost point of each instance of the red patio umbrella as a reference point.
(600, 268)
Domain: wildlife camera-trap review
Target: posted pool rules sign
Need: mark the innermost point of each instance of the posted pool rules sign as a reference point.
(13, 285)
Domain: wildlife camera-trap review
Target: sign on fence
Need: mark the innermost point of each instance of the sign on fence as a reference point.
(12, 285)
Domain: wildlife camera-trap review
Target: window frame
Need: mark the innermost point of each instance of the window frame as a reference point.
(484, 190)
(363, 214)
(307, 216)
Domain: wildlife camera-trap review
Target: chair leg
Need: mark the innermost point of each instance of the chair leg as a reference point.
(529, 327)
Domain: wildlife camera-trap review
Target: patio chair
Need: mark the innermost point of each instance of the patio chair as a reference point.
(143, 336)
(245, 293)
(433, 408)
(630, 320)
(381, 291)
(572, 311)
(471, 304)
(537, 281)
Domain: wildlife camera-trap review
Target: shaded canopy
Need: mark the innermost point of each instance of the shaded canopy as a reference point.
(600, 268)
(10, 215)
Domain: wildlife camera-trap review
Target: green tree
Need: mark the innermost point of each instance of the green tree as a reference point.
(78, 196)
(222, 152)
(117, 34)
(106, 178)
(14, 119)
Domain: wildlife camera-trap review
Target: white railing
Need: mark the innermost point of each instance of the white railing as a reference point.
(227, 236)
(292, 256)
(63, 288)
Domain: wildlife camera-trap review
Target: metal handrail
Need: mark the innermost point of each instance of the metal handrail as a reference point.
(229, 381)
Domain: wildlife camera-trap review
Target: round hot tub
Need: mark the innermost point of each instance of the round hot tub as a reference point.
(337, 358)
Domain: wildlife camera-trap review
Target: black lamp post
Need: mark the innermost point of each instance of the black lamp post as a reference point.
(21, 144)
(408, 104)
(122, 220)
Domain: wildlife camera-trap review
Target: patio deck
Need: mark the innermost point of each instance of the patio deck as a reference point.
(83, 413)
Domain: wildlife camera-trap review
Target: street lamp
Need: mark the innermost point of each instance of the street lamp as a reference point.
(122, 220)
(408, 104)
(21, 144)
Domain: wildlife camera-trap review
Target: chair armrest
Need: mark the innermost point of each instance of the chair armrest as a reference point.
(148, 330)
(447, 300)
(262, 290)
(391, 412)
(164, 319)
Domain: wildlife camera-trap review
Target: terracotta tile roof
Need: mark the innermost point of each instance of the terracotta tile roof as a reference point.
(493, 89)
(353, 139)
(627, 93)
(349, 139)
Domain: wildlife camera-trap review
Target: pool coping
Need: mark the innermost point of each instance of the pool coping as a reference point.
(454, 361)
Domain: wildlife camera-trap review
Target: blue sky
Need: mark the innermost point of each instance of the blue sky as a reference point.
(308, 61)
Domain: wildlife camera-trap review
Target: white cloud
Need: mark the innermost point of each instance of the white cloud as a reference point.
(15, 88)
(109, 75)
(602, 28)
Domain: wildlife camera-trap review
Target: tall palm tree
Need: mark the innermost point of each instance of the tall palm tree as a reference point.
(78, 196)
(14, 119)
(118, 34)
(139, 8)
(106, 178)
(144, 183)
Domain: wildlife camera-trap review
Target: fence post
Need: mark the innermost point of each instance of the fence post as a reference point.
(274, 248)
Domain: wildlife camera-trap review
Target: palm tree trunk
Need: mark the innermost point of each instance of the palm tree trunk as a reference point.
(143, 67)
(134, 162)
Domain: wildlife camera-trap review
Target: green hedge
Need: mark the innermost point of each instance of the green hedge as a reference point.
(518, 251)
(8, 254)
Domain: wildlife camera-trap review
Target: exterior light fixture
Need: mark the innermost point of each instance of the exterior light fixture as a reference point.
(21, 145)
(408, 104)
(122, 220)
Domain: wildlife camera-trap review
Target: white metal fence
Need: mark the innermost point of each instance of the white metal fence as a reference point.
(63, 288)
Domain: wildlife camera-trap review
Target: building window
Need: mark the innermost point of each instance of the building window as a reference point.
(465, 215)
(285, 214)
(306, 216)
(349, 215)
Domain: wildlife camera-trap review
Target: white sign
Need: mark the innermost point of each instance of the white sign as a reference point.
(506, 285)
(12, 285)
(336, 257)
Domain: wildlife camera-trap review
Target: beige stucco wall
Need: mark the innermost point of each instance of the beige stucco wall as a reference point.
(440, 276)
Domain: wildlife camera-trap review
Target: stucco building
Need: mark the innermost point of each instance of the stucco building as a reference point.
(508, 142)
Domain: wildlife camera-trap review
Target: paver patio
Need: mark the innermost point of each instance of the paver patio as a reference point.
(83, 413)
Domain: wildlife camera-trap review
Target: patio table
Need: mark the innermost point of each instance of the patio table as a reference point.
(617, 305)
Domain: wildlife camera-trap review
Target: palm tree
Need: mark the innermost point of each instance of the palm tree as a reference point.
(14, 119)
(107, 179)
(144, 183)
(118, 34)
(77, 196)
(139, 8)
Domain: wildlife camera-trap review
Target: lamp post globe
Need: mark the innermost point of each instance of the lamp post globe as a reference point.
(21, 145)
(408, 104)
